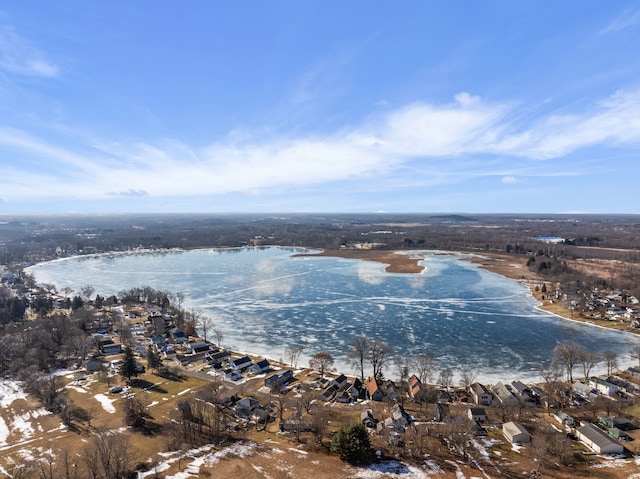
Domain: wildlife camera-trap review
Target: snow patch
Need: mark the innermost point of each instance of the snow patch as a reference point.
(10, 391)
(107, 403)
(382, 469)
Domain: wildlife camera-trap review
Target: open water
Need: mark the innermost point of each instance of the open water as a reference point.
(265, 300)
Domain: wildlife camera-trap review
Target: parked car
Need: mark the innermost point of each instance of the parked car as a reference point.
(115, 389)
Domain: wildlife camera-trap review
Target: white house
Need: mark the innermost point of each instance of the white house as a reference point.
(598, 441)
(480, 394)
(260, 367)
(515, 433)
(564, 419)
(477, 414)
(603, 387)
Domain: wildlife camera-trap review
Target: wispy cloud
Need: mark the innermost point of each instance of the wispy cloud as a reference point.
(629, 18)
(511, 180)
(442, 143)
(128, 193)
(19, 57)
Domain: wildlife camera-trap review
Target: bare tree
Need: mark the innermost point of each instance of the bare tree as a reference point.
(358, 354)
(467, 378)
(206, 324)
(402, 369)
(87, 291)
(567, 355)
(378, 355)
(445, 379)
(588, 360)
(551, 376)
(323, 362)
(219, 334)
(66, 291)
(611, 360)
(424, 366)
(293, 354)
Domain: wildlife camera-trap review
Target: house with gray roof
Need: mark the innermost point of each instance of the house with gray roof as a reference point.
(597, 440)
(504, 395)
(480, 394)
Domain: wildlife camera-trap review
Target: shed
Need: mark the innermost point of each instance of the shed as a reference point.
(515, 433)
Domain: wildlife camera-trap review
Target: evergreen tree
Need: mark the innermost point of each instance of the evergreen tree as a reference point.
(352, 443)
(77, 303)
(128, 368)
(154, 361)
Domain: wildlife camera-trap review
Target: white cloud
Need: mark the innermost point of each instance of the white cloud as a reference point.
(425, 142)
(614, 121)
(511, 180)
(18, 57)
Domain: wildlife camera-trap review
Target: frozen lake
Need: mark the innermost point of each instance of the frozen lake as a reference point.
(265, 300)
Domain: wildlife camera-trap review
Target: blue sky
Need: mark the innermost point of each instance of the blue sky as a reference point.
(304, 106)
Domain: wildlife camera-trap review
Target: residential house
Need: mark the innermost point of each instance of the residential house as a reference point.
(328, 394)
(415, 386)
(480, 394)
(246, 406)
(523, 393)
(232, 375)
(634, 371)
(623, 385)
(504, 395)
(477, 414)
(367, 419)
(391, 390)
(260, 367)
(564, 419)
(597, 440)
(194, 348)
(220, 356)
(585, 391)
(278, 380)
(515, 433)
(297, 423)
(615, 421)
(373, 391)
(603, 387)
(178, 336)
(240, 364)
(108, 347)
(341, 382)
(400, 416)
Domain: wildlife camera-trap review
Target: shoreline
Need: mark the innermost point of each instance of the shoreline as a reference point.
(408, 262)
(396, 261)
(510, 267)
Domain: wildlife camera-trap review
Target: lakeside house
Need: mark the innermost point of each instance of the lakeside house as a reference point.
(374, 393)
(603, 386)
(260, 367)
(480, 394)
(240, 364)
(415, 386)
(503, 395)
